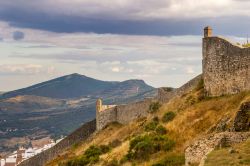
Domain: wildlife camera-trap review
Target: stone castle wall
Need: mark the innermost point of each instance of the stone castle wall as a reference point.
(122, 113)
(130, 112)
(226, 67)
(78, 135)
(126, 113)
(166, 95)
(195, 154)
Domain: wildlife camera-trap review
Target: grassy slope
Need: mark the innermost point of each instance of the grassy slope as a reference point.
(196, 116)
(223, 157)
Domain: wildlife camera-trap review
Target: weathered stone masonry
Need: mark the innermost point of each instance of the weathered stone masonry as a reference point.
(226, 67)
(123, 114)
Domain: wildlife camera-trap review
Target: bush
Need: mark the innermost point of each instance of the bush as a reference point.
(151, 126)
(105, 148)
(141, 147)
(90, 156)
(161, 130)
(155, 118)
(154, 107)
(77, 162)
(113, 162)
(172, 160)
(115, 143)
(168, 89)
(169, 116)
(190, 100)
(93, 151)
(168, 144)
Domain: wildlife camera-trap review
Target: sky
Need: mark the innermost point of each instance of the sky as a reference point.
(158, 41)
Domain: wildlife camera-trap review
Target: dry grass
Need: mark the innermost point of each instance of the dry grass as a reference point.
(194, 118)
(197, 119)
(223, 157)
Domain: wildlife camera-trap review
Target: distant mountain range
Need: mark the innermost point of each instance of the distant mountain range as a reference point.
(76, 86)
(57, 107)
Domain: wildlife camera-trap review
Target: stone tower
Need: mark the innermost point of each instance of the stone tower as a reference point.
(225, 65)
(98, 105)
(208, 31)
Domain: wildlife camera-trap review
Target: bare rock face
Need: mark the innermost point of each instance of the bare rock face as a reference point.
(242, 119)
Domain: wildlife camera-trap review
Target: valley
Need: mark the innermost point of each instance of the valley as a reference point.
(26, 117)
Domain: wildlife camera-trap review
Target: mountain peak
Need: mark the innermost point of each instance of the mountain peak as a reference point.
(76, 85)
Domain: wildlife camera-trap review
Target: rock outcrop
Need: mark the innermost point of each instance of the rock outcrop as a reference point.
(196, 153)
(242, 119)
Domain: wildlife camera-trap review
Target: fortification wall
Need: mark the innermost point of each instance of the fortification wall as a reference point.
(130, 112)
(78, 135)
(164, 96)
(196, 153)
(105, 116)
(226, 67)
(122, 113)
(126, 113)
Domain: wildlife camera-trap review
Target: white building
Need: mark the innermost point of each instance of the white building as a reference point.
(2, 163)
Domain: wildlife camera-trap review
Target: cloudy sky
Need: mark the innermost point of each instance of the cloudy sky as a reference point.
(158, 41)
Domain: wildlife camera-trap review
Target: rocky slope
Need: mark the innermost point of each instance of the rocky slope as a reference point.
(162, 137)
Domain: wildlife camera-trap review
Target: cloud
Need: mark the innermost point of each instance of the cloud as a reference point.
(25, 69)
(115, 69)
(190, 70)
(161, 17)
(18, 35)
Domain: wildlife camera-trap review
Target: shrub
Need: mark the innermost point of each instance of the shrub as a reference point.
(124, 159)
(168, 89)
(105, 148)
(151, 126)
(141, 147)
(168, 144)
(77, 162)
(169, 116)
(155, 118)
(113, 162)
(172, 160)
(90, 156)
(154, 107)
(246, 45)
(115, 143)
(161, 130)
(190, 100)
(93, 151)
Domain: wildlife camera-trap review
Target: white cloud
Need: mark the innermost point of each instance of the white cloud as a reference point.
(20, 69)
(190, 70)
(115, 69)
